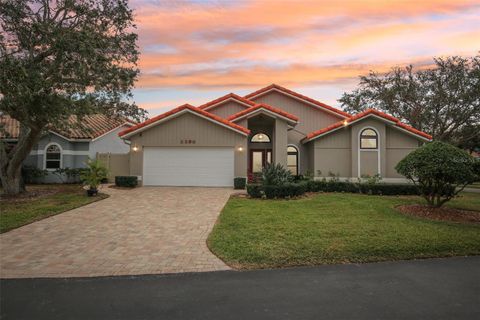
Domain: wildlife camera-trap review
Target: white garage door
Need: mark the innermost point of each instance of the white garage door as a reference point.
(188, 166)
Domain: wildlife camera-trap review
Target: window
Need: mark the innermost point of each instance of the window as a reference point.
(292, 160)
(260, 137)
(53, 157)
(368, 139)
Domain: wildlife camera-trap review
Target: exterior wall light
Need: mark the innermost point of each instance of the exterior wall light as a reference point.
(135, 148)
(345, 122)
(240, 149)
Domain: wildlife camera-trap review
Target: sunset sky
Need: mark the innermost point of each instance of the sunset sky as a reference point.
(195, 51)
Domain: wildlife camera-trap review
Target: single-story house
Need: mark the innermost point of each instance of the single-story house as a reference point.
(236, 136)
(71, 147)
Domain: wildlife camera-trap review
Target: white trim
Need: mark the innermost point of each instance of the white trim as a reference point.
(298, 156)
(45, 156)
(68, 139)
(300, 99)
(172, 116)
(262, 109)
(227, 100)
(110, 131)
(64, 152)
(368, 150)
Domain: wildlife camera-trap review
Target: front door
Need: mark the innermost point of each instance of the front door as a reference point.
(259, 158)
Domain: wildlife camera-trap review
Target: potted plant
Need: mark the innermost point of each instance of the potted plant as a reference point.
(93, 175)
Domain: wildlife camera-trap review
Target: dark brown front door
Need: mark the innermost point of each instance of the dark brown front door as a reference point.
(259, 158)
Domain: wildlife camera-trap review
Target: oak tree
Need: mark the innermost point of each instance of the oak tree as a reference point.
(60, 58)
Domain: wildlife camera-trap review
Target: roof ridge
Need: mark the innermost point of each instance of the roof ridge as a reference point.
(226, 97)
(298, 95)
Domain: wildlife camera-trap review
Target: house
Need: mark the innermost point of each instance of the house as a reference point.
(236, 136)
(71, 147)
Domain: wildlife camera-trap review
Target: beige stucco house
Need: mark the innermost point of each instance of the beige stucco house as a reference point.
(236, 136)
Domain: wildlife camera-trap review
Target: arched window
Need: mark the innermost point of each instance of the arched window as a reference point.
(368, 139)
(53, 157)
(260, 137)
(292, 160)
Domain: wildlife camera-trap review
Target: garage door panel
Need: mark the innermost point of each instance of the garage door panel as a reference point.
(188, 166)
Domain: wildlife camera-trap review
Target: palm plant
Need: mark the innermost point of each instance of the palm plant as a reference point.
(275, 175)
(93, 175)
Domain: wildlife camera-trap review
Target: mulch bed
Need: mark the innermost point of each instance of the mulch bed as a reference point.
(441, 214)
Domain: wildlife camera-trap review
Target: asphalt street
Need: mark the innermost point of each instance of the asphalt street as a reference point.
(420, 289)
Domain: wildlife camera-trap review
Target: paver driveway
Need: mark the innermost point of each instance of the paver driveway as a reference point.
(146, 230)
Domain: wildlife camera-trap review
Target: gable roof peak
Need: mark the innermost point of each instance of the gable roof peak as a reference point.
(264, 106)
(165, 116)
(315, 103)
(247, 103)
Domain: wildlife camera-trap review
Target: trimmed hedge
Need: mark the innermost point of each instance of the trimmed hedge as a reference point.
(286, 190)
(126, 181)
(299, 188)
(239, 183)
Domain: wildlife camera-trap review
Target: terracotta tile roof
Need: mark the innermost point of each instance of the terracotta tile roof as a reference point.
(300, 96)
(181, 108)
(225, 98)
(9, 127)
(262, 106)
(89, 127)
(363, 114)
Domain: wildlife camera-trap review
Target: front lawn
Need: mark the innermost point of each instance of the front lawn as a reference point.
(42, 201)
(336, 228)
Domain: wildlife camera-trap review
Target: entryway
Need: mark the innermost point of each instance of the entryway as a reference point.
(259, 158)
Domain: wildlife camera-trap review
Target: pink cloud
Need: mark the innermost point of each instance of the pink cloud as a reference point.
(246, 44)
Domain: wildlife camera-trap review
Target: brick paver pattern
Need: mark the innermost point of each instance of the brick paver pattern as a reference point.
(148, 230)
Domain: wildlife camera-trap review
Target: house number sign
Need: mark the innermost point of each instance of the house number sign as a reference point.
(187, 141)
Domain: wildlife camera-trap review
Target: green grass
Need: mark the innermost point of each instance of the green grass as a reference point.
(335, 228)
(52, 200)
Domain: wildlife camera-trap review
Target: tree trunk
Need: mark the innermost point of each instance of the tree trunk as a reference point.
(12, 184)
(11, 162)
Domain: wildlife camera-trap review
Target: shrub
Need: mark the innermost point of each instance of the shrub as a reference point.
(72, 175)
(346, 186)
(93, 175)
(239, 183)
(476, 169)
(31, 173)
(287, 190)
(275, 174)
(254, 190)
(439, 170)
(390, 189)
(126, 181)
(299, 188)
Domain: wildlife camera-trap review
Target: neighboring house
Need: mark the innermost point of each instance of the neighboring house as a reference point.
(72, 147)
(237, 136)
